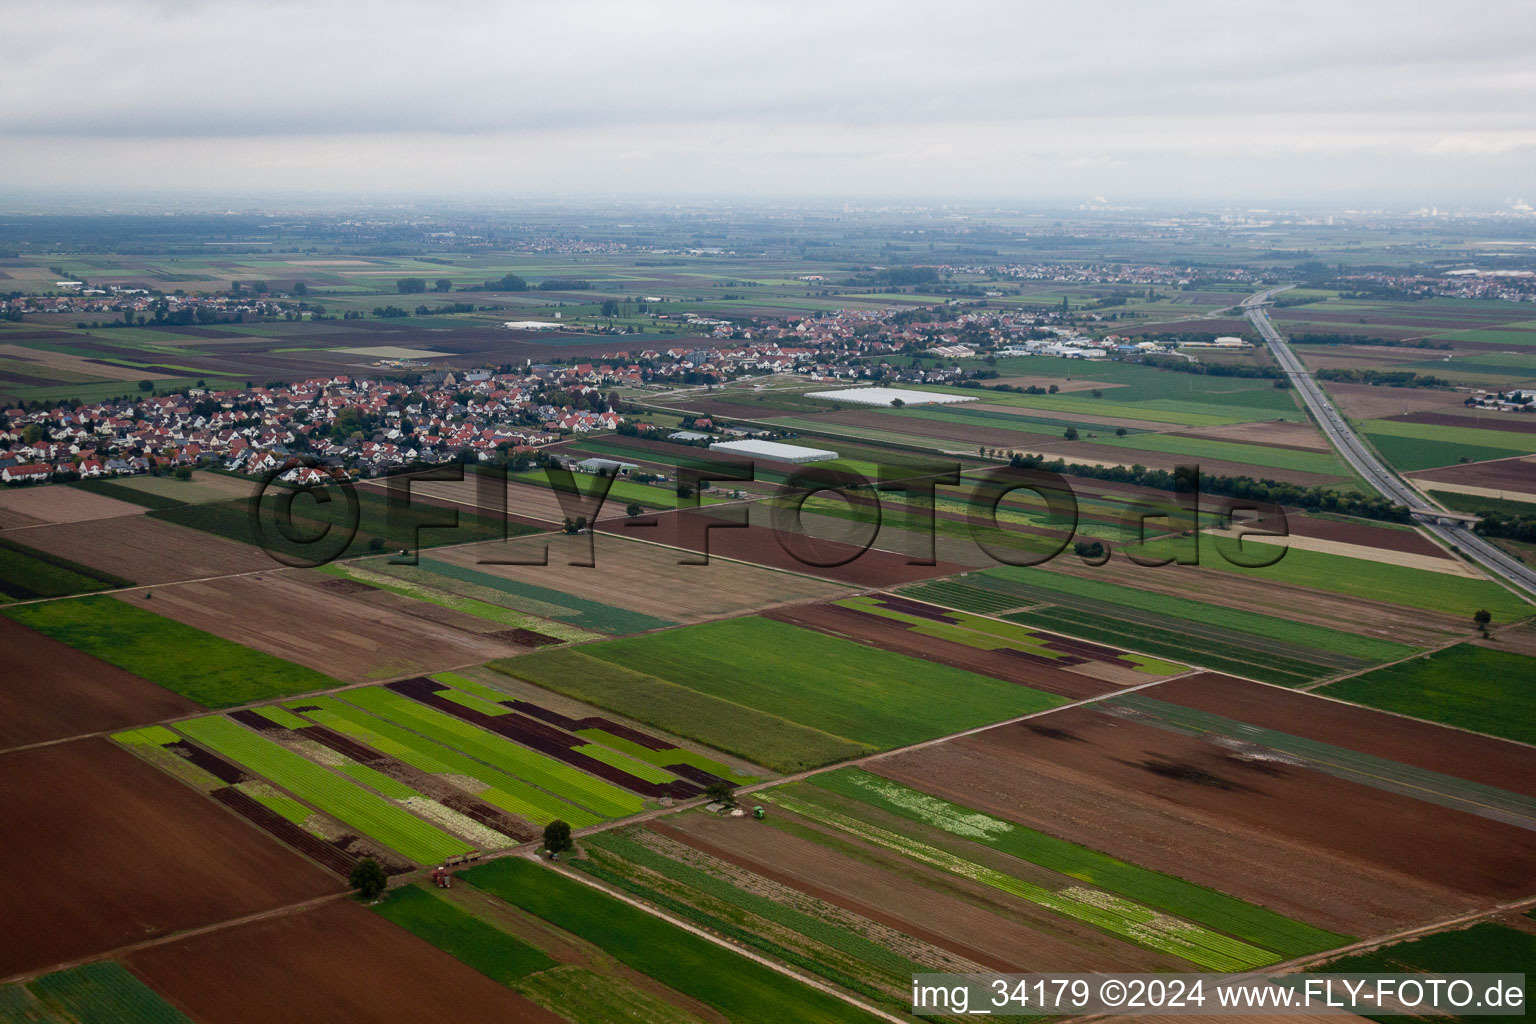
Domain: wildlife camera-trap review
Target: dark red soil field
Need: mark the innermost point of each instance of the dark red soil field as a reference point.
(50, 691)
(759, 544)
(336, 962)
(1436, 748)
(103, 849)
(1518, 423)
(890, 635)
(1515, 474)
(1288, 837)
(1364, 534)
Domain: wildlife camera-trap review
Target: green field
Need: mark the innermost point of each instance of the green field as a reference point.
(555, 776)
(1323, 463)
(1031, 582)
(746, 992)
(437, 757)
(856, 694)
(215, 672)
(1468, 686)
(1214, 636)
(758, 736)
(1382, 581)
(455, 931)
(1458, 502)
(1414, 446)
(97, 993)
(341, 798)
(27, 573)
(1487, 947)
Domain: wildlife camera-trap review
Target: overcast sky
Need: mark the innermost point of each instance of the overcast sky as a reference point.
(1220, 101)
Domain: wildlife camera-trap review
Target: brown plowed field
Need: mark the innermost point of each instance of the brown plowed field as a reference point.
(55, 503)
(1342, 855)
(964, 917)
(336, 962)
(643, 577)
(329, 632)
(894, 636)
(1514, 422)
(1364, 402)
(50, 691)
(1359, 532)
(1438, 749)
(103, 849)
(1514, 474)
(758, 544)
(147, 550)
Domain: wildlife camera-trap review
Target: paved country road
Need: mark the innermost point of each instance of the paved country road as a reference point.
(1343, 437)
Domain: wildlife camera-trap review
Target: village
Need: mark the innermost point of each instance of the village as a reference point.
(426, 416)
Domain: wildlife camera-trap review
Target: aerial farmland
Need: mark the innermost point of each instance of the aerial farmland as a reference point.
(748, 629)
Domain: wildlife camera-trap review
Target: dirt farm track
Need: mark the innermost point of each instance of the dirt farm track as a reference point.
(103, 850)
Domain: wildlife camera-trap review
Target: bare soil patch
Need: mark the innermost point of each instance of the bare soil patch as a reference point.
(335, 962)
(1365, 402)
(760, 544)
(50, 691)
(327, 631)
(1425, 745)
(77, 364)
(103, 849)
(1518, 423)
(148, 550)
(955, 914)
(644, 577)
(52, 503)
(1516, 474)
(1307, 844)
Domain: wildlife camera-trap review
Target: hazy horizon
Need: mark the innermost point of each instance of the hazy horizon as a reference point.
(1199, 103)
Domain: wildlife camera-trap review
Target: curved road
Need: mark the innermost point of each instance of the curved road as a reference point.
(1492, 559)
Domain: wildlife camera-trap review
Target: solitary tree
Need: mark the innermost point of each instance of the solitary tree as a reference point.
(1482, 617)
(721, 792)
(368, 878)
(557, 836)
(443, 284)
(1070, 434)
(633, 509)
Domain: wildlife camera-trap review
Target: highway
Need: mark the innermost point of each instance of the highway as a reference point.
(1343, 437)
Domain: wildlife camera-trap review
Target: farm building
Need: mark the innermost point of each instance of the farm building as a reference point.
(606, 467)
(885, 396)
(774, 450)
